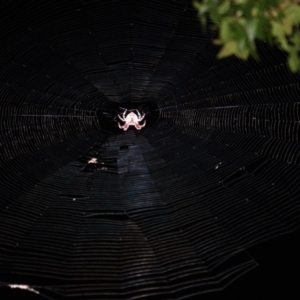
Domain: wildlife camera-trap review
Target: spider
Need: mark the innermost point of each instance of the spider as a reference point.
(132, 120)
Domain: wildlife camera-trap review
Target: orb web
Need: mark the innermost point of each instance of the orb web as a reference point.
(170, 211)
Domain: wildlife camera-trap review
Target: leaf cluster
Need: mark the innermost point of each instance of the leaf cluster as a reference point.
(241, 22)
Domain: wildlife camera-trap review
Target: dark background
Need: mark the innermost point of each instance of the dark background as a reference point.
(68, 69)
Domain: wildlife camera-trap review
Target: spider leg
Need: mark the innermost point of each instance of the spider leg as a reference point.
(122, 119)
(142, 117)
(125, 127)
(137, 126)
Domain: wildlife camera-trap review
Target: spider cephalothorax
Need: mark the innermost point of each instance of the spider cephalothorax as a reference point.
(131, 119)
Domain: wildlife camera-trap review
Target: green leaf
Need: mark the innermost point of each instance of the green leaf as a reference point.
(262, 28)
(215, 17)
(293, 13)
(295, 39)
(241, 1)
(284, 44)
(251, 29)
(217, 42)
(277, 29)
(197, 4)
(278, 32)
(242, 44)
(224, 7)
(293, 62)
(242, 22)
(201, 7)
(243, 54)
(254, 12)
(228, 49)
(225, 29)
(254, 54)
(287, 25)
